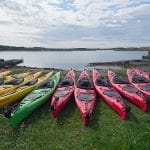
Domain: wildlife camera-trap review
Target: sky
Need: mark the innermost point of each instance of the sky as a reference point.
(75, 23)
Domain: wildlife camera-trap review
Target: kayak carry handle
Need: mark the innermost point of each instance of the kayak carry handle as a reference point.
(7, 113)
(128, 108)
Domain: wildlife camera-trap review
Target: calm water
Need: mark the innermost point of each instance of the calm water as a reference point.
(74, 59)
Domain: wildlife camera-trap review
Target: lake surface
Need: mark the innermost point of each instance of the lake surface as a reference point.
(66, 60)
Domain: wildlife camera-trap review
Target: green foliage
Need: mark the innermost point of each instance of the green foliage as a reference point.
(106, 130)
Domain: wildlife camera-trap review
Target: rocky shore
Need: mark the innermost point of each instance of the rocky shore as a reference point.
(9, 63)
(141, 64)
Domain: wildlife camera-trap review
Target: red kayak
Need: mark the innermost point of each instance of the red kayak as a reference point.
(85, 96)
(63, 93)
(109, 94)
(128, 90)
(142, 73)
(140, 81)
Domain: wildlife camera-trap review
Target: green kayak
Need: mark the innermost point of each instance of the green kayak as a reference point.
(34, 100)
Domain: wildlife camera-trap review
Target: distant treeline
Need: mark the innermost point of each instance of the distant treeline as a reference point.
(131, 49)
(14, 48)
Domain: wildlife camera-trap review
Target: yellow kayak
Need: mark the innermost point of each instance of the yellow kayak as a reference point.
(17, 82)
(6, 79)
(5, 73)
(21, 92)
(31, 77)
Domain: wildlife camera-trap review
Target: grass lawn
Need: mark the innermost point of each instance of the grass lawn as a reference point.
(106, 130)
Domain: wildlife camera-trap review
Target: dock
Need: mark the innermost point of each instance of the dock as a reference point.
(10, 63)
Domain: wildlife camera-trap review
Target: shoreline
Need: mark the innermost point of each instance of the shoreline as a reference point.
(25, 68)
(140, 64)
(145, 64)
(72, 50)
(21, 48)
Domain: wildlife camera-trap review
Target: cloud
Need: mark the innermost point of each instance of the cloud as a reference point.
(84, 12)
(35, 21)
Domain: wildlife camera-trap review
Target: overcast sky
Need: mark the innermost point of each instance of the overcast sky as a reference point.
(75, 23)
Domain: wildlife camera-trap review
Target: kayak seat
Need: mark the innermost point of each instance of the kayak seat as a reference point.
(102, 81)
(130, 89)
(111, 93)
(15, 81)
(139, 79)
(120, 80)
(85, 97)
(32, 82)
(66, 82)
(46, 84)
(146, 88)
(85, 83)
(1, 80)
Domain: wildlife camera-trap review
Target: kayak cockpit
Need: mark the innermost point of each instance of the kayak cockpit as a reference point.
(102, 81)
(32, 82)
(139, 79)
(120, 80)
(46, 84)
(15, 81)
(85, 83)
(66, 82)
